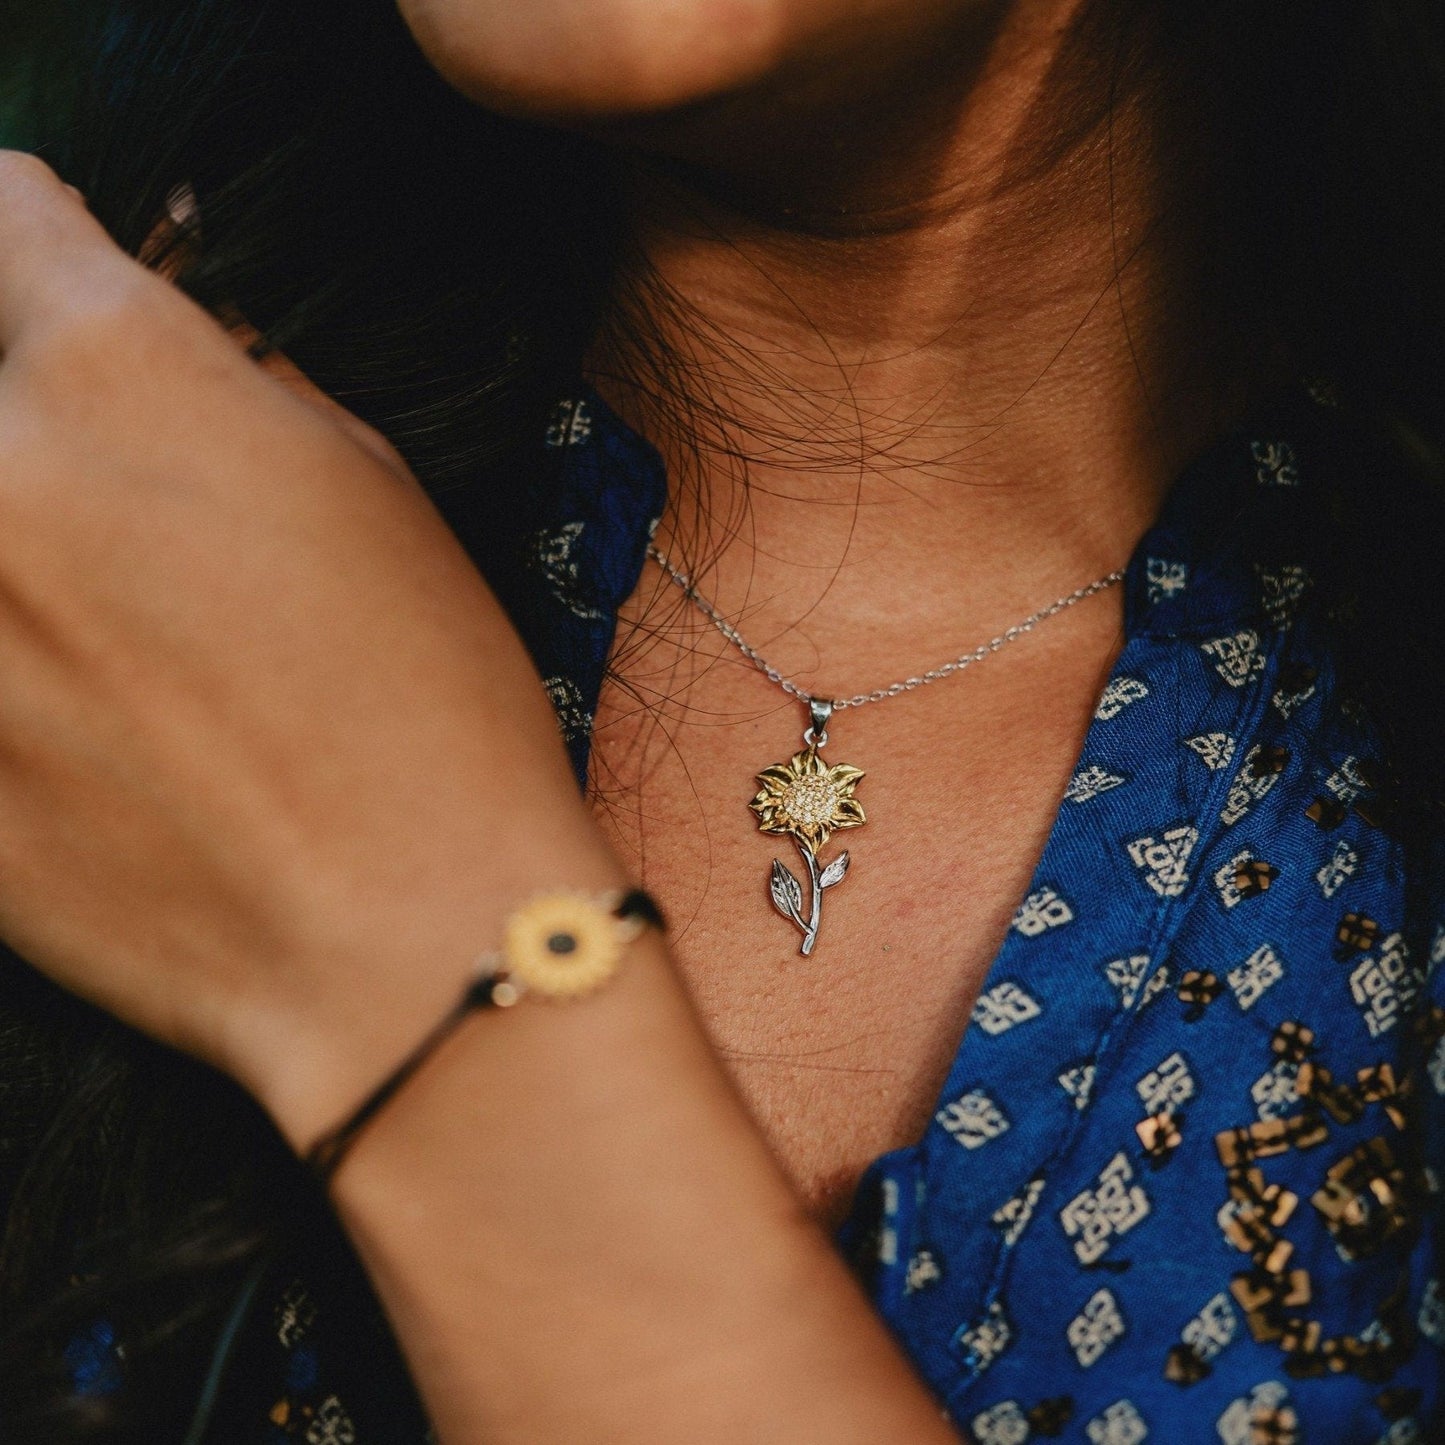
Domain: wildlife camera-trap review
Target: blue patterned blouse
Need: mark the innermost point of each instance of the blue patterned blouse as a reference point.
(1182, 1182)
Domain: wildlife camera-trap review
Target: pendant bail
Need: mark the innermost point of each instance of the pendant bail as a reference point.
(816, 735)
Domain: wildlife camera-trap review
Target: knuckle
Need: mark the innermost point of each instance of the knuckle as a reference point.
(104, 356)
(114, 300)
(21, 168)
(99, 325)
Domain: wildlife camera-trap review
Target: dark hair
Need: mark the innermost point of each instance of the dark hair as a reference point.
(440, 272)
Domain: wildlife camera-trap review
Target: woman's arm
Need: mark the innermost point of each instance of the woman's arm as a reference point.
(580, 1237)
(273, 769)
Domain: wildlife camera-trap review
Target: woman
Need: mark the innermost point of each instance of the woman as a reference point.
(945, 323)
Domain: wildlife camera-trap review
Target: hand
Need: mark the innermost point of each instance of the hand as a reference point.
(272, 768)
(272, 762)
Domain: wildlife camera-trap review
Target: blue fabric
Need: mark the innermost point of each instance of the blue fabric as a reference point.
(1182, 1182)
(609, 490)
(92, 1362)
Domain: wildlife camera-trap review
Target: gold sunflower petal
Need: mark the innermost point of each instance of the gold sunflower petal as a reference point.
(777, 776)
(845, 775)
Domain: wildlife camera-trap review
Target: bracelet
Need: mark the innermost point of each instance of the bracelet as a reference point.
(560, 946)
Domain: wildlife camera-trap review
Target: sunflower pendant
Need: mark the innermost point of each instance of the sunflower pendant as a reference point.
(808, 801)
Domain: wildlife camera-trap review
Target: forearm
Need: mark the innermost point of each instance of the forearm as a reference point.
(579, 1236)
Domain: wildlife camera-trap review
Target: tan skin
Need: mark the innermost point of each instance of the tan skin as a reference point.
(1026, 399)
(273, 767)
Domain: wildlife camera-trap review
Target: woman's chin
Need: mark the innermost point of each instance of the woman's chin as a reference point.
(584, 61)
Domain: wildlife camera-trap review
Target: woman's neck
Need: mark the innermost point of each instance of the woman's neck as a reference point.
(936, 321)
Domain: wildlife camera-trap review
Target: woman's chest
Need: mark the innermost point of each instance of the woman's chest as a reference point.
(841, 1053)
(1176, 1179)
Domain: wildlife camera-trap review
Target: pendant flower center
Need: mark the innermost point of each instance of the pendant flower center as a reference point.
(807, 799)
(810, 801)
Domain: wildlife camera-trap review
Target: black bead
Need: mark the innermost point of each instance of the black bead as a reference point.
(640, 905)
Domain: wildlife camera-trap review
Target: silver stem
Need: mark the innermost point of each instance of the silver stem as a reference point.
(810, 933)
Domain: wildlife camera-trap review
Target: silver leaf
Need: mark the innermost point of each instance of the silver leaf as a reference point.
(787, 892)
(834, 872)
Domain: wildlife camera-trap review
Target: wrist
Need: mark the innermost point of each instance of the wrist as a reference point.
(369, 983)
(558, 946)
(570, 1210)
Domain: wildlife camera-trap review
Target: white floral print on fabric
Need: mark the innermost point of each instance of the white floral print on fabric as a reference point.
(1163, 860)
(1117, 695)
(1132, 978)
(572, 715)
(1216, 750)
(1003, 1007)
(1431, 1319)
(1384, 984)
(1212, 1329)
(1259, 772)
(1091, 782)
(1260, 971)
(1097, 1326)
(1095, 1217)
(1338, 869)
(1263, 1417)
(1238, 658)
(973, 1119)
(1001, 1424)
(1282, 589)
(1276, 1092)
(1166, 579)
(982, 1343)
(553, 552)
(1040, 911)
(1276, 464)
(1119, 1424)
(331, 1425)
(923, 1271)
(1169, 1085)
(1078, 1084)
(570, 424)
(1013, 1215)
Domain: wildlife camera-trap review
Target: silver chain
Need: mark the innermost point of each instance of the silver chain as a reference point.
(895, 689)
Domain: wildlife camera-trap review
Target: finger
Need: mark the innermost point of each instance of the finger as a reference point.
(56, 261)
(53, 252)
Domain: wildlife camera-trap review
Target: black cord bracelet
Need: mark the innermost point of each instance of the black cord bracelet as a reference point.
(553, 948)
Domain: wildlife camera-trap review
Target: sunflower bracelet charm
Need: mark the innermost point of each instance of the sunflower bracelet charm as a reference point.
(557, 946)
(808, 801)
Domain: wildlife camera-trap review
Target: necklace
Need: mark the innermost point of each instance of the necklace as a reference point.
(804, 798)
